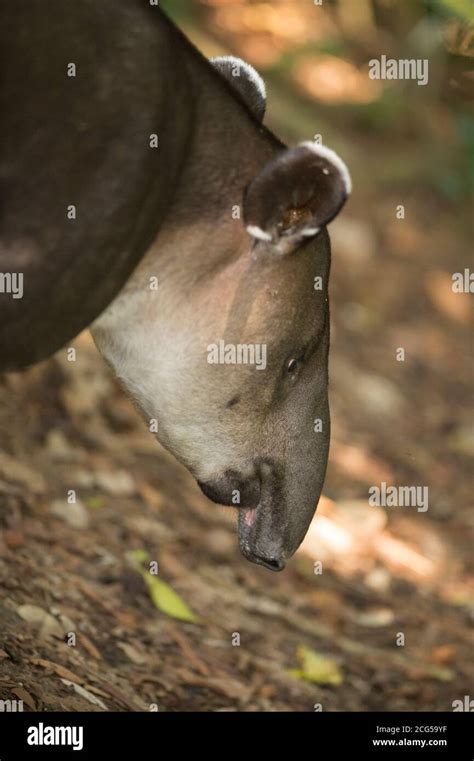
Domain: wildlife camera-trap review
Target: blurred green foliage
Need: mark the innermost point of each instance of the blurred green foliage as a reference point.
(462, 8)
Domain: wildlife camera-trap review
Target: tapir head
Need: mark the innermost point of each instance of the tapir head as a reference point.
(230, 354)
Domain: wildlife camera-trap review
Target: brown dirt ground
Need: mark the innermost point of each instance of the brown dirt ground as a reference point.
(67, 425)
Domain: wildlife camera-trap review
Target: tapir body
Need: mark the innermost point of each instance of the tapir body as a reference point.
(142, 196)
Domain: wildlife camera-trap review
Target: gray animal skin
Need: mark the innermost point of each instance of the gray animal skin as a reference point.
(143, 197)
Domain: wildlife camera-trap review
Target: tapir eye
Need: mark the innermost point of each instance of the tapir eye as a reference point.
(296, 363)
(293, 366)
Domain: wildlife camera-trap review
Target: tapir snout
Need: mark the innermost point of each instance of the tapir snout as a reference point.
(271, 532)
(252, 494)
(265, 531)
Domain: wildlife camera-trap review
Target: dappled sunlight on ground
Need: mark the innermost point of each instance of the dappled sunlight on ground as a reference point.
(354, 538)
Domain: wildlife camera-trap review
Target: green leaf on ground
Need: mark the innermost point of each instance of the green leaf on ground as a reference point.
(317, 668)
(165, 598)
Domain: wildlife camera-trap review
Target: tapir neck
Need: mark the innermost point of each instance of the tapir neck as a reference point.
(224, 148)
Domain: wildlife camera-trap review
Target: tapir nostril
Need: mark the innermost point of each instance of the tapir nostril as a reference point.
(273, 564)
(232, 489)
(277, 565)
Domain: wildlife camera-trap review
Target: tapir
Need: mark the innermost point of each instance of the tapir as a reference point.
(141, 196)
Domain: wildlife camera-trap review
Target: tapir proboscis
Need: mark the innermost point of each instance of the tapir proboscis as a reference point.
(142, 196)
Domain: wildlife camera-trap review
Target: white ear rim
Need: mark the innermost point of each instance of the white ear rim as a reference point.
(256, 232)
(334, 159)
(252, 74)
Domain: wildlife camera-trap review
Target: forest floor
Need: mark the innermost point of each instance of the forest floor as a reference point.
(388, 617)
(385, 626)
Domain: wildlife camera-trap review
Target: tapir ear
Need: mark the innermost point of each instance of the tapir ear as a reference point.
(295, 195)
(248, 82)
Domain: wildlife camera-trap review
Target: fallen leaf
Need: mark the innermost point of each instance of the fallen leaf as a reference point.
(89, 646)
(225, 685)
(25, 696)
(188, 650)
(96, 691)
(165, 598)
(59, 670)
(118, 695)
(85, 694)
(134, 655)
(317, 668)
